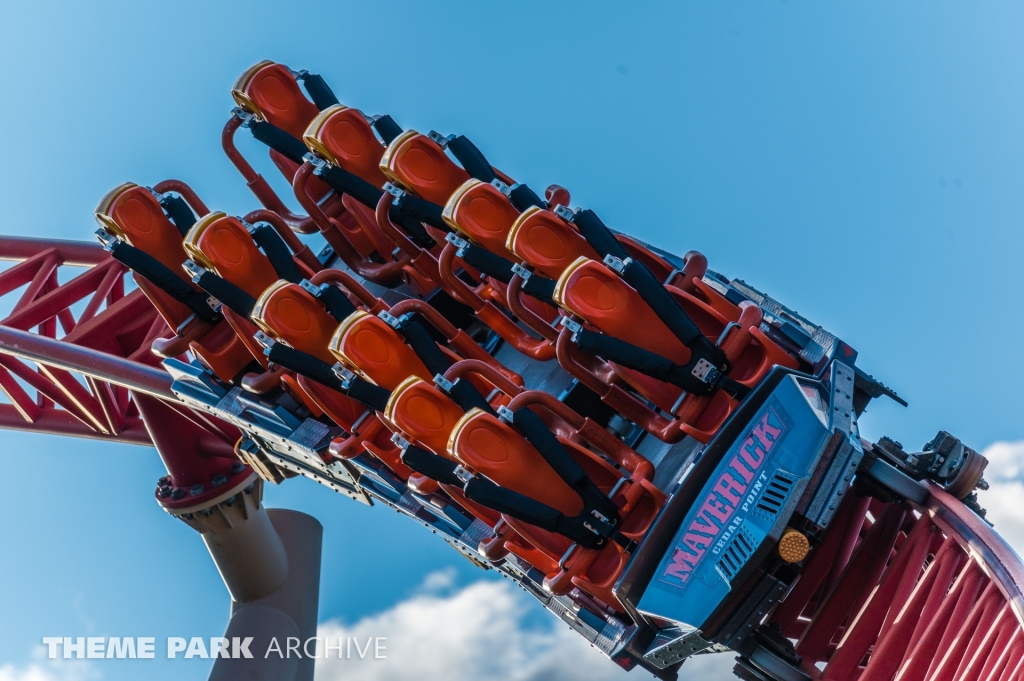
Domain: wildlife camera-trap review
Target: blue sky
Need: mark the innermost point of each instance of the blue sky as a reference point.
(862, 162)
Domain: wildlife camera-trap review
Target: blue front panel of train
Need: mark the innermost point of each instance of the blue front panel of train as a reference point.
(759, 477)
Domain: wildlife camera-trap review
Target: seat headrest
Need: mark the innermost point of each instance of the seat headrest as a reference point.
(542, 239)
(270, 92)
(221, 243)
(343, 136)
(289, 313)
(419, 410)
(374, 350)
(481, 212)
(135, 215)
(416, 162)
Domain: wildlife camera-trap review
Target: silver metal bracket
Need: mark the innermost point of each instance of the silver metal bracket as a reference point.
(505, 414)
(310, 288)
(438, 139)
(400, 441)
(247, 118)
(616, 264)
(443, 383)
(574, 327)
(213, 303)
(702, 370)
(390, 319)
(264, 340)
(395, 191)
(501, 187)
(344, 374)
(564, 213)
(462, 474)
(320, 166)
(193, 269)
(457, 241)
(523, 273)
(108, 239)
(672, 646)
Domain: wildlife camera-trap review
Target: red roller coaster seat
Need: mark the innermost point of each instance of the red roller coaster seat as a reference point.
(424, 416)
(221, 244)
(270, 92)
(495, 450)
(342, 136)
(597, 295)
(418, 164)
(132, 213)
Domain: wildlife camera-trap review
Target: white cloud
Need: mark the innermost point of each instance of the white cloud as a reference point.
(480, 632)
(1005, 474)
(55, 670)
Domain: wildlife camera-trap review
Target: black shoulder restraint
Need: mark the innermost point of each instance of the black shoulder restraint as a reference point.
(499, 268)
(331, 297)
(179, 212)
(412, 207)
(650, 289)
(386, 127)
(277, 139)
(693, 377)
(475, 163)
(591, 528)
(359, 389)
(274, 247)
(423, 344)
(163, 278)
(232, 297)
(344, 182)
(317, 89)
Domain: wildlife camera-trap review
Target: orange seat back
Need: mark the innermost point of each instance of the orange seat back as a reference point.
(371, 348)
(424, 414)
(417, 163)
(222, 245)
(481, 212)
(343, 136)
(288, 312)
(490, 447)
(546, 243)
(595, 293)
(134, 214)
(271, 92)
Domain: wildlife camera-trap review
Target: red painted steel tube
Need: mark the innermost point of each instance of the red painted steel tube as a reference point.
(299, 249)
(420, 259)
(51, 352)
(457, 338)
(76, 253)
(484, 371)
(258, 185)
(525, 314)
(53, 422)
(386, 274)
(187, 193)
(349, 282)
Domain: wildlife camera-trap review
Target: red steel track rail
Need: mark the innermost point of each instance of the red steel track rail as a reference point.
(908, 592)
(72, 346)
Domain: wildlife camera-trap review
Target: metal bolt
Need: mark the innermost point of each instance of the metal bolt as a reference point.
(196, 490)
(236, 468)
(163, 492)
(177, 493)
(218, 480)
